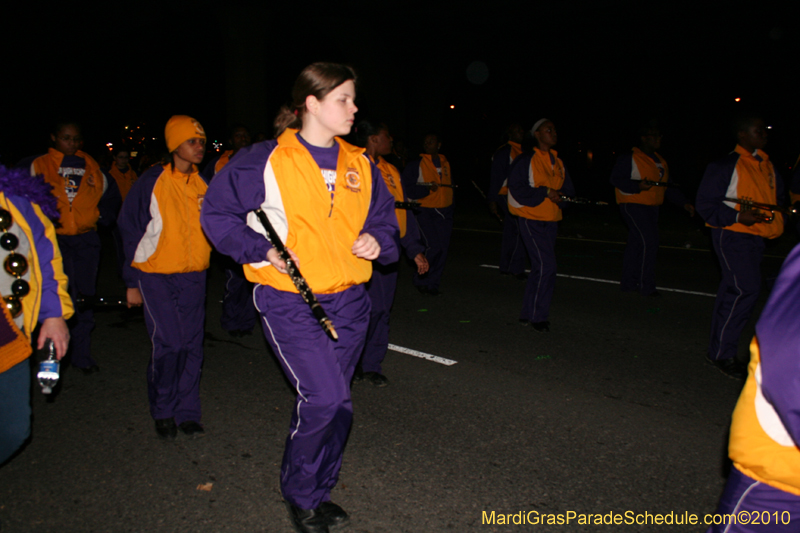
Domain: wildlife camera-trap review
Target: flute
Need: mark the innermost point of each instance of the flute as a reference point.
(411, 204)
(297, 278)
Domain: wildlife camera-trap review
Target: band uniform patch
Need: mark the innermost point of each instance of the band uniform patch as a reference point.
(353, 180)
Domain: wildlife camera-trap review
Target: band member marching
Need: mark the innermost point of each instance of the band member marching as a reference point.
(328, 202)
(640, 180)
(535, 186)
(429, 180)
(738, 235)
(376, 139)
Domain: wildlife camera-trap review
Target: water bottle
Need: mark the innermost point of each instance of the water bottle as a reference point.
(48, 368)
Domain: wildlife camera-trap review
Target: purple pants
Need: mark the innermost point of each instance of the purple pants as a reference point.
(512, 253)
(81, 256)
(435, 226)
(539, 238)
(639, 261)
(381, 291)
(320, 369)
(764, 508)
(238, 310)
(739, 256)
(175, 318)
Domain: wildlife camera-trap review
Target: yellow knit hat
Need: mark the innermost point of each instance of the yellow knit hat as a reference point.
(181, 128)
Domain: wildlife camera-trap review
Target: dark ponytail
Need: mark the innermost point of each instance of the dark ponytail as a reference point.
(317, 79)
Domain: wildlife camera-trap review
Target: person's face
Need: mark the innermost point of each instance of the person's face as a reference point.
(240, 138)
(431, 145)
(516, 133)
(383, 142)
(192, 150)
(337, 110)
(754, 136)
(68, 140)
(122, 159)
(652, 141)
(546, 135)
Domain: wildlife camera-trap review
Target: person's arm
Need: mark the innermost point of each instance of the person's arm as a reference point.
(55, 303)
(621, 175)
(110, 203)
(381, 222)
(500, 168)
(712, 191)
(778, 334)
(133, 220)
(410, 177)
(519, 183)
(234, 192)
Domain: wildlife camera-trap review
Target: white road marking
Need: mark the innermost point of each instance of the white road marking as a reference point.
(422, 355)
(666, 289)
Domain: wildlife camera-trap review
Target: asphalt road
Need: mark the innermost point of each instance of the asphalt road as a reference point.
(613, 411)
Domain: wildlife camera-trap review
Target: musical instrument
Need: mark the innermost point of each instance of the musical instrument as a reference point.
(431, 184)
(581, 201)
(297, 278)
(411, 204)
(480, 191)
(748, 204)
(660, 183)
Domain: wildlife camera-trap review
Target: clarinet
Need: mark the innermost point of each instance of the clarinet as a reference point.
(297, 278)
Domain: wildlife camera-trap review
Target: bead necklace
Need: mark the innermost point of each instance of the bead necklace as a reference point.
(15, 264)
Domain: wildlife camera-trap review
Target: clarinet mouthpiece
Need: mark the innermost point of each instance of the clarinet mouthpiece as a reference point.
(327, 325)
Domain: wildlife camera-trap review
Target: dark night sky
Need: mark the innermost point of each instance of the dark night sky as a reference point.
(597, 69)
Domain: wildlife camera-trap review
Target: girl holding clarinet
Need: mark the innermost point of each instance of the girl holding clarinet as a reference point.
(327, 202)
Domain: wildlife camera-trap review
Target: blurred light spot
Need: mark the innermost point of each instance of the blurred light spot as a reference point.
(477, 72)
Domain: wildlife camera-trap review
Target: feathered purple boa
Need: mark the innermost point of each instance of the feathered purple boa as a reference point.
(19, 182)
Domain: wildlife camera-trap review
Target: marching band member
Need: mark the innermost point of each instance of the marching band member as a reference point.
(639, 201)
(328, 203)
(381, 288)
(435, 216)
(738, 235)
(765, 431)
(535, 187)
(85, 197)
(167, 255)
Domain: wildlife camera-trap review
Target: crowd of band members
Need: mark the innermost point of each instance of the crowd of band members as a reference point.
(528, 188)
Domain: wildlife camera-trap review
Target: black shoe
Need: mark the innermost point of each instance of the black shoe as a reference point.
(654, 294)
(732, 367)
(166, 429)
(307, 520)
(541, 327)
(433, 292)
(377, 379)
(522, 276)
(334, 515)
(236, 333)
(90, 370)
(191, 429)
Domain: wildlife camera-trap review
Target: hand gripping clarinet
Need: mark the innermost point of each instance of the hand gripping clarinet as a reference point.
(297, 278)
